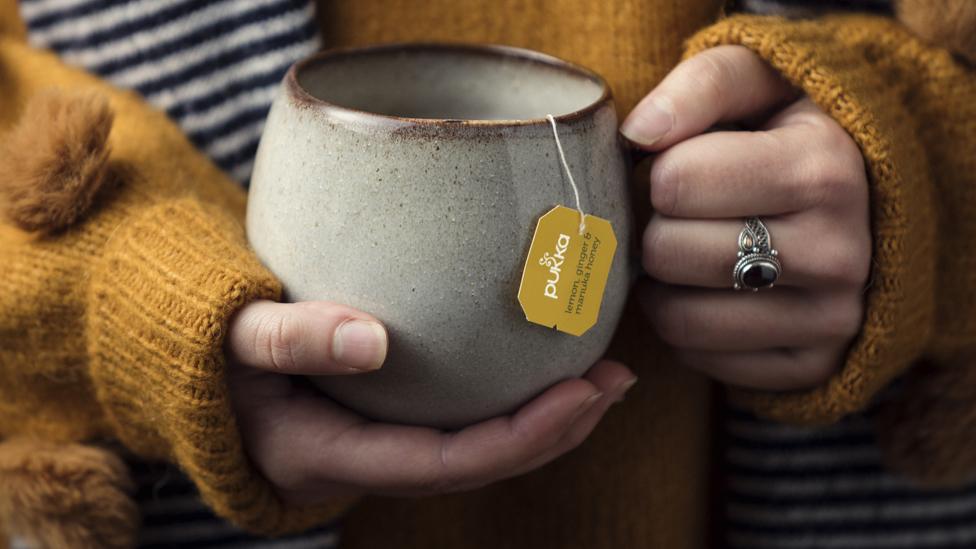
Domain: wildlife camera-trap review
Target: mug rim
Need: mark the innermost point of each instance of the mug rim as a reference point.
(298, 92)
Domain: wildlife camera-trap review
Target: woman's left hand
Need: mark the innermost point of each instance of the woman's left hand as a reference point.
(794, 167)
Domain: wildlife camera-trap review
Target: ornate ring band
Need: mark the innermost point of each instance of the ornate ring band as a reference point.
(758, 265)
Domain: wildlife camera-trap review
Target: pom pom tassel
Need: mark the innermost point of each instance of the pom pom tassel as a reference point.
(54, 160)
(62, 496)
(947, 23)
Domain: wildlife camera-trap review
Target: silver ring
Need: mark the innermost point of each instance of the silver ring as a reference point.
(758, 265)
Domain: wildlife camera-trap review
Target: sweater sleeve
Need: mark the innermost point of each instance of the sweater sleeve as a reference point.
(912, 110)
(113, 328)
(10, 22)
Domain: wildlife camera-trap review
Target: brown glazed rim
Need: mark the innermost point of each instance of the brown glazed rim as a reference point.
(301, 94)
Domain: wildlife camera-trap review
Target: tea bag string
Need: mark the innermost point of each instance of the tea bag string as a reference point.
(569, 174)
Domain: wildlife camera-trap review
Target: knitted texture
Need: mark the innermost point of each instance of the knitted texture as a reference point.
(114, 327)
(10, 22)
(631, 43)
(912, 110)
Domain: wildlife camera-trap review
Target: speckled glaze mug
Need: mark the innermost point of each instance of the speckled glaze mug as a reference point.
(406, 181)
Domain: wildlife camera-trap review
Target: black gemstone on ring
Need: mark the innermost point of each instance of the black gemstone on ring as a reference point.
(759, 274)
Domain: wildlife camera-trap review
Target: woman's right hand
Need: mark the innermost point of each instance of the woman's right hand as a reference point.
(313, 450)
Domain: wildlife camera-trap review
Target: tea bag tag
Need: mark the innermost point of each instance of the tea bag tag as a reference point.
(566, 272)
(569, 260)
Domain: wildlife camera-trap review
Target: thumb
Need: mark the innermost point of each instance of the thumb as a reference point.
(310, 338)
(723, 84)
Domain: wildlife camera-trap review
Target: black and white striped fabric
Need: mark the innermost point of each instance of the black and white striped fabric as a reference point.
(808, 8)
(825, 488)
(213, 66)
(174, 516)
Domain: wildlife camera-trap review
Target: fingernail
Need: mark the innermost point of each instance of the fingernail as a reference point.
(588, 403)
(649, 122)
(360, 344)
(623, 388)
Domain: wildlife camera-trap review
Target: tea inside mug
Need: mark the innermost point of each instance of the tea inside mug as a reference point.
(454, 83)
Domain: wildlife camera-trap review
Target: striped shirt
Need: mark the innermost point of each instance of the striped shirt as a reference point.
(212, 66)
(174, 516)
(808, 8)
(804, 488)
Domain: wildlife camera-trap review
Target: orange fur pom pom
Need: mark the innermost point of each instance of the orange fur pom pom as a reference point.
(54, 160)
(66, 496)
(947, 23)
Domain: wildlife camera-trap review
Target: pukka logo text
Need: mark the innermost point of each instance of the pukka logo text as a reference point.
(554, 262)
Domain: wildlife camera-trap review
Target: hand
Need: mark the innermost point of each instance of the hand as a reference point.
(795, 167)
(314, 450)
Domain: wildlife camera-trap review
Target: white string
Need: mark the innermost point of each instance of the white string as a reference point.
(569, 174)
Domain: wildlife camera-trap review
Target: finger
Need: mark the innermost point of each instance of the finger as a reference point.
(792, 167)
(723, 84)
(294, 441)
(614, 380)
(769, 370)
(312, 338)
(723, 320)
(505, 447)
(325, 443)
(815, 250)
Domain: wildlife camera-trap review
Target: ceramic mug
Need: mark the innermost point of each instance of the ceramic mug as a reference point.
(407, 181)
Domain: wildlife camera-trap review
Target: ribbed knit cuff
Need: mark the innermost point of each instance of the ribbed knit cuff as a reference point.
(840, 62)
(160, 303)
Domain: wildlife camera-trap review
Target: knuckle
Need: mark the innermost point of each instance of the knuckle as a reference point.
(658, 246)
(665, 184)
(439, 477)
(772, 142)
(715, 71)
(837, 167)
(710, 73)
(663, 257)
(823, 183)
(277, 338)
(837, 142)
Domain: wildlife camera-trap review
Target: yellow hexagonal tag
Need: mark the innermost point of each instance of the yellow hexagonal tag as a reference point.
(566, 272)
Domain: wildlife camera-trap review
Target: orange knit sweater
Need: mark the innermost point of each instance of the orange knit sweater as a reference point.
(113, 329)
